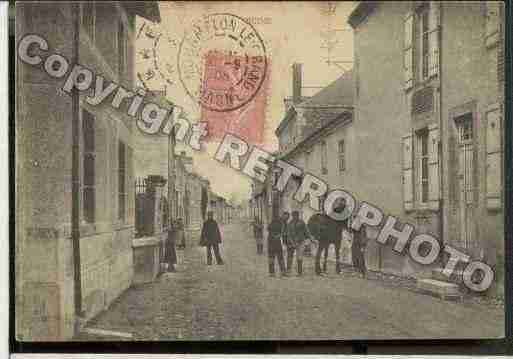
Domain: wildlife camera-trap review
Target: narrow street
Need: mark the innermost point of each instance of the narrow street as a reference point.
(240, 301)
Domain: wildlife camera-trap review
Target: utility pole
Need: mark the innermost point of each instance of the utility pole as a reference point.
(75, 173)
(171, 169)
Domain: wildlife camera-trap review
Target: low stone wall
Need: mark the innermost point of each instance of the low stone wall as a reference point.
(46, 305)
(147, 253)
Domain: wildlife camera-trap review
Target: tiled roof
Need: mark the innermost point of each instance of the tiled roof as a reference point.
(326, 104)
(339, 93)
(360, 12)
(317, 118)
(321, 110)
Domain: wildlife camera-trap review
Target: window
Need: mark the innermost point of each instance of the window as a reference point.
(122, 193)
(422, 166)
(88, 162)
(341, 156)
(421, 42)
(88, 18)
(122, 49)
(324, 158)
(408, 51)
(424, 43)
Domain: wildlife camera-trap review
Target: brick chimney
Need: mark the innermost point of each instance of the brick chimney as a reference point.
(297, 82)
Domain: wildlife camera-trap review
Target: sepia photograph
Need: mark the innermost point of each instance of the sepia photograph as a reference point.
(229, 171)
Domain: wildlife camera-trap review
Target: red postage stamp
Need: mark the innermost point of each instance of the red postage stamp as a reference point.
(227, 80)
(223, 65)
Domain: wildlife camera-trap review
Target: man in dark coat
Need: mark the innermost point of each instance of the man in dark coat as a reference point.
(180, 233)
(358, 245)
(258, 233)
(274, 245)
(210, 238)
(297, 236)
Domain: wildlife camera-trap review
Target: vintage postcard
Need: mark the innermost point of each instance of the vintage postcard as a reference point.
(207, 171)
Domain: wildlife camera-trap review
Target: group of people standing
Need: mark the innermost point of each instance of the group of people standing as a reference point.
(295, 235)
(210, 238)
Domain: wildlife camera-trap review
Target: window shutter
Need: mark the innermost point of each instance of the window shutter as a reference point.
(493, 15)
(500, 68)
(500, 56)
(493, 158)
(408, 51)
(433, 179)
(408, 172)
(130, 184)
(434, 26)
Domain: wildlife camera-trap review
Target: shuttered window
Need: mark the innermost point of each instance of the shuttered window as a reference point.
(407, 144)
(424, 36)
(433, 167)
(421, 164)
(499, 27)
(493, 16)
(130, 184)
(421, 43)
(408, 51)
(433, 38)
(420, 169)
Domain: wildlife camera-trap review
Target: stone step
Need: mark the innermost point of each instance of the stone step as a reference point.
(456, 276)
(105, 334)
(440, 288)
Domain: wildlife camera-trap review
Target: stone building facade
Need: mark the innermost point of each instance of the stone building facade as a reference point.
(45, 275)
(429, 82)
(415, 128)
(314, 135)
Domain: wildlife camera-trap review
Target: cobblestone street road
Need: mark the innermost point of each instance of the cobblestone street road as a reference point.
(240, 301)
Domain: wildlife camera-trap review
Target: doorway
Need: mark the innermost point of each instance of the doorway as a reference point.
(465, 178)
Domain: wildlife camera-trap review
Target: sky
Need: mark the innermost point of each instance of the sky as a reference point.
(292, 32)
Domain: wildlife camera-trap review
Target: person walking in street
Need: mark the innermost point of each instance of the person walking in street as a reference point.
(297, 236)
(332, 234)
(211, 238)
(170, 250)
(274, 245)
(289, 245)
(358, 245)
(258, 232)
(318, 225)
(180, 233)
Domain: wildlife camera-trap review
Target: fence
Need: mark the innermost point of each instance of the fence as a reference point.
(151, 206)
